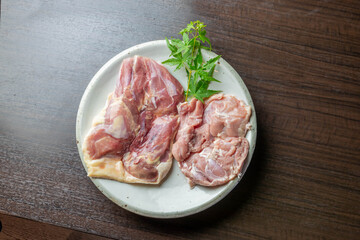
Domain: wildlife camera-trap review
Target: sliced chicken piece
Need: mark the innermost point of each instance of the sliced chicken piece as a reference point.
(216, 164)
(190, 118)
(210, 145)
(227, 116)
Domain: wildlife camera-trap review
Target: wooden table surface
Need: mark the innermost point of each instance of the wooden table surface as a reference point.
(300, 60)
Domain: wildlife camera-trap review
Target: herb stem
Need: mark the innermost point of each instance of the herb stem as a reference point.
(188, 83)
(189, 71)
(188, 86)
(192, 53)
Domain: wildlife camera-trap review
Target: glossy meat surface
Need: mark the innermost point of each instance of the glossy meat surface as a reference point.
(210, 145)
(130, 140)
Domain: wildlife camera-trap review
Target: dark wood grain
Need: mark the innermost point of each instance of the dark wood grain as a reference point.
(20, 228)
(299, 59)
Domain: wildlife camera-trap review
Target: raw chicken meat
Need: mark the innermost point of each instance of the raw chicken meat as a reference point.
(210, 145)
(131, 138)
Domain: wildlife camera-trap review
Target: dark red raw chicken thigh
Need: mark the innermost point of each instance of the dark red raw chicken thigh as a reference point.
(131, 138)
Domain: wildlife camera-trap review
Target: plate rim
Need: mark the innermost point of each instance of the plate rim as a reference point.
(174, 214)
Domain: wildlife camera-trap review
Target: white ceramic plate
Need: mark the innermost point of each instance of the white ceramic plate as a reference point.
(173, 198)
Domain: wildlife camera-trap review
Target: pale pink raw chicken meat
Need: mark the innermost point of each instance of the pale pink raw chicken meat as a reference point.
(210, 145)
(131, 138)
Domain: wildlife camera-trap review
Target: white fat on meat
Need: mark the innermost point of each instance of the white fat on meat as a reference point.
(210, 145)
(131, 138)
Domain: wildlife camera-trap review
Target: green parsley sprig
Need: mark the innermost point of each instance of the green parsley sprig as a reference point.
(187, 53)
